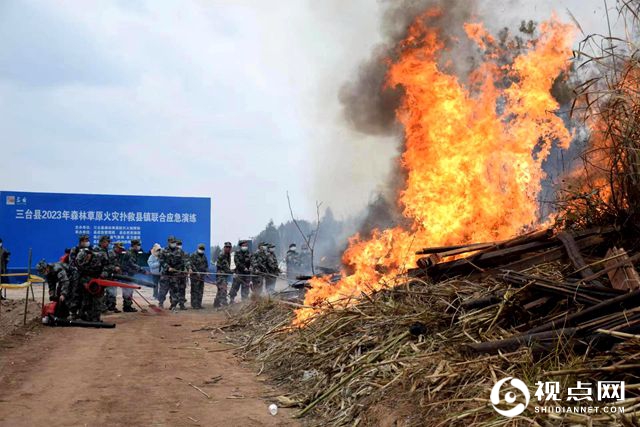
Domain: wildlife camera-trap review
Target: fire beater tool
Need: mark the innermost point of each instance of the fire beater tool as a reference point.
(151, 306)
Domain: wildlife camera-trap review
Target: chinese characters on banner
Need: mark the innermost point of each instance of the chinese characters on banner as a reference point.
(122, 233)
(47, 223)
(101, 216)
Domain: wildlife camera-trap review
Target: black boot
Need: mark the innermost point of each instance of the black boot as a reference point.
(129, 309)
(182, 307)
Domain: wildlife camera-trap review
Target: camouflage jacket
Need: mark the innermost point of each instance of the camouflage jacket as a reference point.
(199, 263)
(186, 258)
(243, 262)
(127, 262)
(72, 257)
(112, 266)
(293, 260)
(58, 280)
(272, 263)
(172, 258)
(305, 261)
(97, 262)
(224, 263)
(259, 263)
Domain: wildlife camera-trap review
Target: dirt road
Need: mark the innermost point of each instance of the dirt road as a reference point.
(137, 374)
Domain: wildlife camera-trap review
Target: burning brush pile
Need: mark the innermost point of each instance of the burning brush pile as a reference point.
(542, 307)
(424, 320)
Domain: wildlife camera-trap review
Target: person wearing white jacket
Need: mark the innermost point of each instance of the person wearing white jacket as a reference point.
(154, 266)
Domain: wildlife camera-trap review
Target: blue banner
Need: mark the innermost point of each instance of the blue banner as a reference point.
(50, 222)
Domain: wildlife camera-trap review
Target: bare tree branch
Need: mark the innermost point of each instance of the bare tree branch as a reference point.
(307, 239)
(315, 236)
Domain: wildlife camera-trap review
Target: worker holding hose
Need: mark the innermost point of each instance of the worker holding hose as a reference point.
(182, 282)
(74, 299)
(94, 263)
(223, 266)
(126, 260)
(172, 268)
(273, 270)
(259, 268)
(113, 268)
(242, 278)
(199, 264)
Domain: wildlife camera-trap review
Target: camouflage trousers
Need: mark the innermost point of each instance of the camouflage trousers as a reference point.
(197, 290)
(91, 305)
(74, 299)
(169, 284)
(110, 294)
(292, 271)
(257, 281)
(182, 290)
(127, 297)
(240, 283)
(270, 284)
(52, 292)
(221, 295)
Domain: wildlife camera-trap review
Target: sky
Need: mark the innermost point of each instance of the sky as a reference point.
(230, 99)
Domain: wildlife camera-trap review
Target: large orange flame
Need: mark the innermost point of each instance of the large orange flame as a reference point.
(473, 156)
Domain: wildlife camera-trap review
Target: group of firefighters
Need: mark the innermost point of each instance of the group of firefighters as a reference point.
(69, 279)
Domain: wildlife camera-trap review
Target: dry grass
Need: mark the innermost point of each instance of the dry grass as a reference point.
(607, 187)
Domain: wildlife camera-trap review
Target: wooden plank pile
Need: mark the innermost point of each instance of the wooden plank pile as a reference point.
(561, 287)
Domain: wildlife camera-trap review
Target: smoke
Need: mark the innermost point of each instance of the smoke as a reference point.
(367, 104)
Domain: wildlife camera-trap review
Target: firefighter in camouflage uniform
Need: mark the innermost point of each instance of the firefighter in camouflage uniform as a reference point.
(94, 263)
(242, 278)
(126, 260)
(57, 279)
(199, 264)
(74, 299)
(223, 268)
(110, 293)
(172, 268)
(182, 283)
(259, 268)
(272, 270)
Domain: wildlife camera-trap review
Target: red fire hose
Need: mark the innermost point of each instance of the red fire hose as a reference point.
(96, 286)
